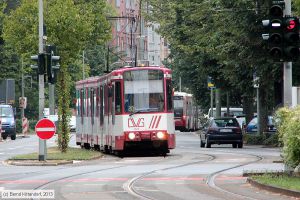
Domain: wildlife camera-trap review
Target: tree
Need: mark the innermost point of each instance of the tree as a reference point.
(71, 26)
(221, 39)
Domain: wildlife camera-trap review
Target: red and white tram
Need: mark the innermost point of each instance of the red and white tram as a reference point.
(129, 108)
(185, 112)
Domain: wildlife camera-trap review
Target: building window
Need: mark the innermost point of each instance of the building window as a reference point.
(118, 3)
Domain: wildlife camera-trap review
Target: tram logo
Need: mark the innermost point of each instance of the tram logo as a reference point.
(155, 121)
(136, 123)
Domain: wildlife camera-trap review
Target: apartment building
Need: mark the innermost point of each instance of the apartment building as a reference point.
(135, 40)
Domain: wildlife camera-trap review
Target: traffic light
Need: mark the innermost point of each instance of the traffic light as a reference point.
(41, 63)
(51, 63)
(291, 38)
(275, 28)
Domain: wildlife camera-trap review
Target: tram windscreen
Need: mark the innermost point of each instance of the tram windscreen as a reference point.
(143, 91)
(178, 106)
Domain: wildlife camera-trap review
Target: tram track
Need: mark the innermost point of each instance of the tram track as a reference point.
(210, 181)
(129, 186)
(43, 186)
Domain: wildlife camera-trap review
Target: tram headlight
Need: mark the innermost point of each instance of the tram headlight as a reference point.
(131, 136)
(160, 135)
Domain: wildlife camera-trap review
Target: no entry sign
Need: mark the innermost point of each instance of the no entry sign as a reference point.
(45, 129)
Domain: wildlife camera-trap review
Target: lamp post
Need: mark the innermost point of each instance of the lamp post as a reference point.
(256, 85)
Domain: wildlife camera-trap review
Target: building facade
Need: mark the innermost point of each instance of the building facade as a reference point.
(134, 40)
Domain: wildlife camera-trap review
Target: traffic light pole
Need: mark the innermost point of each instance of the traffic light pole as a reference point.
(287, 68)
(42, 143)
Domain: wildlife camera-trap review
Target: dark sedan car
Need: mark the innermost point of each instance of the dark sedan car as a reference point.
(225, 130)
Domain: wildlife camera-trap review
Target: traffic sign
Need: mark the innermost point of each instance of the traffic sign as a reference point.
(45, 129)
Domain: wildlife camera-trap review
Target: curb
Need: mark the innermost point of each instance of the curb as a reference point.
(274, 189)
(37, 163)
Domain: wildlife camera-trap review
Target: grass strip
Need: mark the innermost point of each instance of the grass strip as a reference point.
(53, 153)
(279, 180)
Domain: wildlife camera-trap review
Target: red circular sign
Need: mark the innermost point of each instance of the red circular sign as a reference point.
(45, 129)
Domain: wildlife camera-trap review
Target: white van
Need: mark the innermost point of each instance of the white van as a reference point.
(233, 112)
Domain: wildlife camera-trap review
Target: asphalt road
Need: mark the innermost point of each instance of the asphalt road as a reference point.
(188, 173)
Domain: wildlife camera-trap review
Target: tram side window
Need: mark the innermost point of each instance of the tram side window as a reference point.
(87, 102)
(92, 104)
(113, 104)
(101, 106)
(118, 103)
(78, 102)
(81, 103)
(106, 100)
(97, 102)
(169, 95)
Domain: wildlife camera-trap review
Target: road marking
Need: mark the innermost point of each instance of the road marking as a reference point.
(95, 184)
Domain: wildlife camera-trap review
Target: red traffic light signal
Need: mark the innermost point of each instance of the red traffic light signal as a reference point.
(291, 38)
(291, 24)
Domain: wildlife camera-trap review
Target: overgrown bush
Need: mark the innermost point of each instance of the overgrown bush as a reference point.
(269, 139)
(288, 126)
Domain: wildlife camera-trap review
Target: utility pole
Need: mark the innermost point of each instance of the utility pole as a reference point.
(218, 102)
(83, 65)
(22, 89)
(212, 101)
(180, 84)
(42, 143)
(287, 68)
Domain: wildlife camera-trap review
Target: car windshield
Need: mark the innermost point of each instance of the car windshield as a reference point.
(143, 91)
(231, 122)
(6, 112)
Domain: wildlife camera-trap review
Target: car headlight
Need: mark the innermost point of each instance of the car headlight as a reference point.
(131, 136)
(160, 135)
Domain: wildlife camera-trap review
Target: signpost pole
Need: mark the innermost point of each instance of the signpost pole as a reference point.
(45, 129)
(42, 143)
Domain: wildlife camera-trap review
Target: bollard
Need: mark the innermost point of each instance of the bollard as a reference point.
(24, 126)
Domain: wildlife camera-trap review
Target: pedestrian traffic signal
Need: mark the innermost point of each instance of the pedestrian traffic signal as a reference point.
(291, 38)
(51, 63)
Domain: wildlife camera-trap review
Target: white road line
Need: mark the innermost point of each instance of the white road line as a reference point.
(91, 184)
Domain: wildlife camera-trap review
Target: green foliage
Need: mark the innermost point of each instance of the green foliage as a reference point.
(268, 139)
(53, 153)
(220, 39)
(280, 180)
(63, 110)
(72, 25)
(288, 127)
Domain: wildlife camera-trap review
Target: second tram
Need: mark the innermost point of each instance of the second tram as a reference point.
(185, 112)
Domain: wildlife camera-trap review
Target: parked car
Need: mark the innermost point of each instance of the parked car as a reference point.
(54, 118)
(72, 124)
(252, 126)
(224, 130)
(8, 122)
